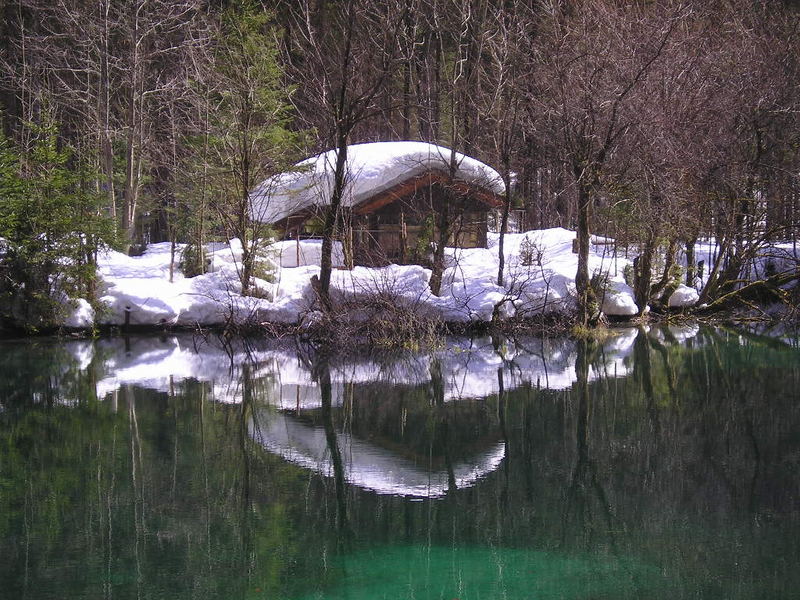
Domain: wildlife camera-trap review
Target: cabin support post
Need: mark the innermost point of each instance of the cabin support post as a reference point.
(403, 237)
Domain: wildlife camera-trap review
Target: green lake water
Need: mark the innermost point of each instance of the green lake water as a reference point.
(661, 463)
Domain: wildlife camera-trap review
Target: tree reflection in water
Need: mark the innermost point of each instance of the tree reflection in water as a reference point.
(659, 463)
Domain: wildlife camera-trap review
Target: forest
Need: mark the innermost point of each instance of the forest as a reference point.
(654, 122)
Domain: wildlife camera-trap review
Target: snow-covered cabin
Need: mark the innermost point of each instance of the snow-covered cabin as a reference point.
(398, 196)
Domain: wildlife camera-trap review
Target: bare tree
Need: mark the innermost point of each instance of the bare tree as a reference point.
(460, 32)
(349, 51)
(503, 108)
(103, 68)
(590, 61)
(249, 139)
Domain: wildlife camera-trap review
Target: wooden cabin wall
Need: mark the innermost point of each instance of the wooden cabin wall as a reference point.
(402, 231)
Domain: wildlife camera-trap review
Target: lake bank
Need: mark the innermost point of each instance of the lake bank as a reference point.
(149, 292)
(539, 276)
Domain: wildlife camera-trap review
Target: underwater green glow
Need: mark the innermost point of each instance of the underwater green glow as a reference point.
(474, 573)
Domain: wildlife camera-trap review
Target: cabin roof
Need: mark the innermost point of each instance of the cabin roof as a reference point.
(375, 170)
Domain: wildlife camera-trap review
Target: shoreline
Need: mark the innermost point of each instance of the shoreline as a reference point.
(394, 303)
(550, 326)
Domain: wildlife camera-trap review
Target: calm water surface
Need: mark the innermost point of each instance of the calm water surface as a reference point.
(658, 464)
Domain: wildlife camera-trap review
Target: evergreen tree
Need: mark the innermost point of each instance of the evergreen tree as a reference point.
(52, 226)
(249, 135)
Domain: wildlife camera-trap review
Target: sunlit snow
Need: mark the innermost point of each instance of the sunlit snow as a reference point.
(371, 168)
(539, 277)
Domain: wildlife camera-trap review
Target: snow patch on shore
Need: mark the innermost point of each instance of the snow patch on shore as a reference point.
(683, 296)
(81, 317)
(539, 277)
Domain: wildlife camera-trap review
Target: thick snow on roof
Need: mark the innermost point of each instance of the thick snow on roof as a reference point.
(371, 168)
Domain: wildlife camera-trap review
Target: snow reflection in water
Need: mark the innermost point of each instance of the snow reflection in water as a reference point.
(469, 367)
(286, 383)
(367, 465)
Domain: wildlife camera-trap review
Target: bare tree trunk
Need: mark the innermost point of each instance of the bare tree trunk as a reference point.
(691, 261)
(407, 97)
(501, 258)
(669, 261)
(443, 227)
(332, 220)
(133, 142)
(643, 273)
(104, 109)
(586, 300)
(132, 171)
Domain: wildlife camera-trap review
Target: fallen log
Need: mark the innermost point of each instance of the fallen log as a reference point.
(762, 292)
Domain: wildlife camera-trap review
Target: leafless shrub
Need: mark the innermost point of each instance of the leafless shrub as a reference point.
(375, 312)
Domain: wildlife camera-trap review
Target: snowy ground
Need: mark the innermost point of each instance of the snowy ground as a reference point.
(539, 277)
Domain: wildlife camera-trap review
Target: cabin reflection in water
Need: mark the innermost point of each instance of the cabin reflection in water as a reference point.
(401, 439)
(420, 427)
(414, 425)
(367, 464)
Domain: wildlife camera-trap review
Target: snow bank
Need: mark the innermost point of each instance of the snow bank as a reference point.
(618, 300)
(683, 296)
(371, 168)
(302, 253)
(138, 290)
(538, 278)
(81, 317)
(542, 267)
(769, 259)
